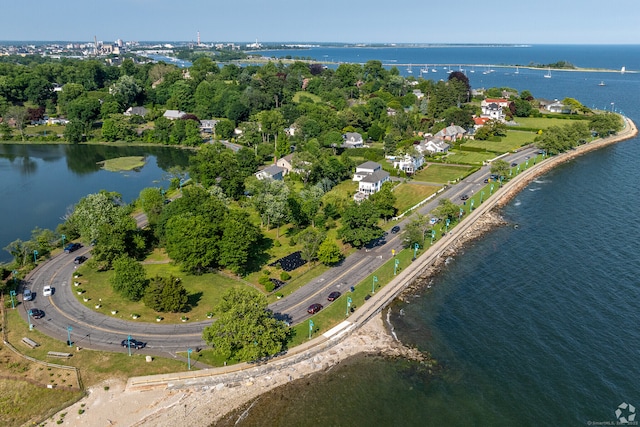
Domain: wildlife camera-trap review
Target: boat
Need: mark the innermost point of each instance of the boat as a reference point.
(425, 69)
(548, 75)
(516, 71)
(409, 70)
(622, 70)
(601, 84)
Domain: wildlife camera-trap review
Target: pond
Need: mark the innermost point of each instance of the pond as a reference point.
(40, 183)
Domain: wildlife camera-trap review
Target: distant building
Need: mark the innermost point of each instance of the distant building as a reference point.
(271, 172)
(451, 133)
(174, 114)
(352, 140)
(136, 111)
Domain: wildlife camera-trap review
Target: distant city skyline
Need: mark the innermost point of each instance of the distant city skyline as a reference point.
(357, 21)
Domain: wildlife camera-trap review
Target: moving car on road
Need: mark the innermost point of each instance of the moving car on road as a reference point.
(314, 308)
(47, 291)
(464, 197)
(72, 247)
(27, 295)
(395, 229)
(36, 313)
(133, 343)
(334, 296)
(80, 259)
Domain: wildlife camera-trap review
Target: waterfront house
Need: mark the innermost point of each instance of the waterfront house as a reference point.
(370, 178)
(208, 126)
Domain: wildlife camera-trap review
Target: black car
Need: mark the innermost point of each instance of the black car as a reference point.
(133, 343)
(334, 296)
(314, 308)
(80, 259)
(464, 197)
(395, 229)
(72, 247)
(514, 164)
(36, 313)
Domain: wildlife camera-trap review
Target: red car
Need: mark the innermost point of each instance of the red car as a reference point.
(314, 308)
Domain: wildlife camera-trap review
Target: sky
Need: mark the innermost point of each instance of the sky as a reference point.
(348, 21)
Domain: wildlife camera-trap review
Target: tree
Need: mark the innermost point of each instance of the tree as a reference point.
(500, 167)
(416, 231)
(239, 237)
(384, 201)
(310, 239)
(360, 224)
(94, 210)
(84, 110)
(244, 328)
(74, 132)
(192, 242)
(129, 278)
(166, 294)
(329, 252)
(19, 116)
(125, 91)
(447, 210)
(152, 202)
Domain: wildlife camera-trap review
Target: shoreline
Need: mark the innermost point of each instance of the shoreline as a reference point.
(201, 404)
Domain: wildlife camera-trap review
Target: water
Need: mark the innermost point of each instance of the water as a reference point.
(55, 177)
(532, 325)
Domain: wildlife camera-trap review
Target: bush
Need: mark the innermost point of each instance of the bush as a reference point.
(269, 287)
(285, 276)
(265, 281)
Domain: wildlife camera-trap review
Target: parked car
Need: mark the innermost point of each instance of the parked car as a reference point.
(27, 295)
(395, 229)
(72, 247)
(36, 313)
(514, 164)
(80, 259)
(133, 343)
(47, 291)
(314, 308)
(434, 221)
(334, 296)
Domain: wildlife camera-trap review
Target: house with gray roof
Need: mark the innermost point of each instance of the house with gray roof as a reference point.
(271, 172)
(136, 111)
(174, 114)
(451, 133)
(352, 140)
(370, 178)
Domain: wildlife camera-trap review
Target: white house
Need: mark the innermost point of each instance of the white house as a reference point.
(208, 126)
(270, 172)
(370, 177)
(136, 111)
(286, 163)
(556, 107)
(352, 140)
(174, 114)
(409, 164)
(433, 145)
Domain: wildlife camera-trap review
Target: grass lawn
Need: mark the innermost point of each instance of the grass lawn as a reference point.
(542, 122)
(296, 97)
(435, 172)
(514, 140)
(123, 163)
(344, 190)
(468, 158)
(204, 292)
(408, 195)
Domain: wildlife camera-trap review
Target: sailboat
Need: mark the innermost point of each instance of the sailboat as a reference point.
(601, 83)
(548, 75)
(425, 69)
(409, 70)
(622, 70)
(517, 71)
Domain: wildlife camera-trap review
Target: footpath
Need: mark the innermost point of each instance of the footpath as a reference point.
(203, 397)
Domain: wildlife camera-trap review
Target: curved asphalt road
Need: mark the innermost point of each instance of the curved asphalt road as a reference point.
(91, 329)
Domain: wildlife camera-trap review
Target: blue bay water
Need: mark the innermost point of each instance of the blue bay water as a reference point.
(531, 325)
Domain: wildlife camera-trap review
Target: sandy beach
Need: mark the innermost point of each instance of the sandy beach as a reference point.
(203, 404)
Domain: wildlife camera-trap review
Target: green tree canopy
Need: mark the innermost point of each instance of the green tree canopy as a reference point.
(244, 329)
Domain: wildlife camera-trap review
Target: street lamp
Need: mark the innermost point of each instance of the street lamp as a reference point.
(12, 294)
(415, 250)
(15, 277)
(35, 256)
(461, 213)
(69, 329)
(447, 225)
(63, 237)
(349, 304)
(189, 357)
(373, 285)
(395, 266)
(310, 327)
(481, 196)
(129, 343)
(29, 316)
(471, 207)
(491, 189)
(433, 235)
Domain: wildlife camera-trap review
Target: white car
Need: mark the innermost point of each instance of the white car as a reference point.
(46, 291)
